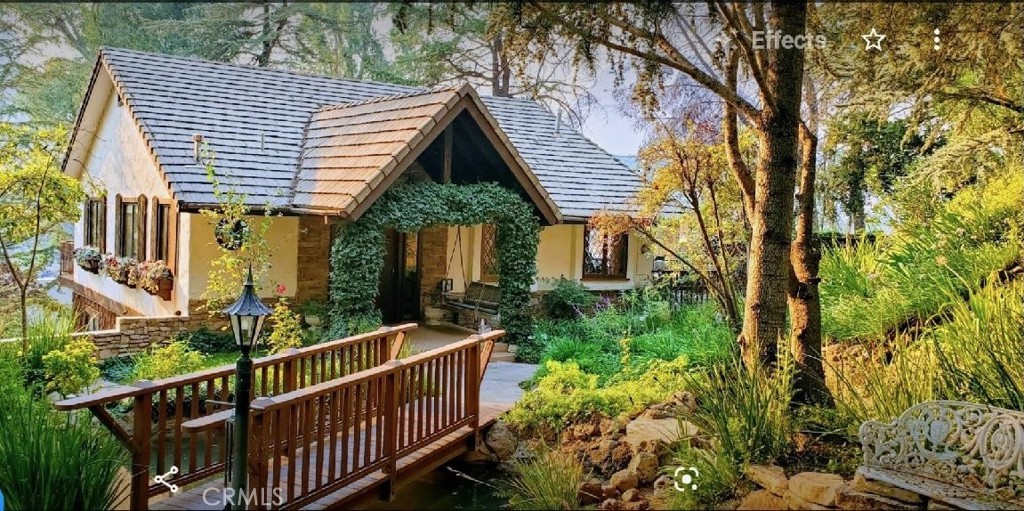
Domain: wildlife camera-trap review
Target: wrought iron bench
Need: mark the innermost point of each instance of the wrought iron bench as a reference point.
(480, 299)
(963, 454)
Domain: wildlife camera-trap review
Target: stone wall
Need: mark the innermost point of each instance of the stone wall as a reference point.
(818, 490)
(314, 259)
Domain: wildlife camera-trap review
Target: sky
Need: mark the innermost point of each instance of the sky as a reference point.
(606, 125)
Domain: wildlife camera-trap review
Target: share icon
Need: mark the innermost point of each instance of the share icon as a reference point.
(162, 479)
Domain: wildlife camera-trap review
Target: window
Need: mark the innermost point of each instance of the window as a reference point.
(489, 253)
(128, 230)
(161, 232)
(96, 223)
(603, 256)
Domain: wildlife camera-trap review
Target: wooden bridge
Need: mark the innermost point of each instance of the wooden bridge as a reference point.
(331, 425)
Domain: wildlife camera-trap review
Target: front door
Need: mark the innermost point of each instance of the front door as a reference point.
(398, 296)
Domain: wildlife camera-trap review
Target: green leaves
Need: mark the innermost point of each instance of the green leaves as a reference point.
(357, 255)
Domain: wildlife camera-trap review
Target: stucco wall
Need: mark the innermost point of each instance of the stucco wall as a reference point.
(282, 237)
(118, 162)
(560, 253)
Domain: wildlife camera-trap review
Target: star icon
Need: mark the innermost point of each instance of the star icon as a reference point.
(873, 40)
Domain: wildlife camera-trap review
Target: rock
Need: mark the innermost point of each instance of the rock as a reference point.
(769, 477)
(589, 492)
(662, 482)
(477, 456)
(624, 480)
(631, 495)
(848, 498)
(686, 400)
(863, 484)
(501, 441)
(610, 504)
(935, 505)
(636, 505)
(762, 499)
(816, 487)
(645, 466)
(609, 492)
(585, 430)
(612, 428)
(645, 434)
(793, 501)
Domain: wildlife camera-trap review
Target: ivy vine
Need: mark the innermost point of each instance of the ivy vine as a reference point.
(357, 254)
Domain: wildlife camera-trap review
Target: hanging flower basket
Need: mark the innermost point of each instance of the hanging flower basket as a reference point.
(88, 258)
(231, 235)
(156, 278)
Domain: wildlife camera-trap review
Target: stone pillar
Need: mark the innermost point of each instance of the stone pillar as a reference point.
(314, 260)
(433, 248)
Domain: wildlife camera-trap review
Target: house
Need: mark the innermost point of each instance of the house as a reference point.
(319, 151)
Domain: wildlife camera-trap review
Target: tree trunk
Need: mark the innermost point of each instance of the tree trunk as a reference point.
(804, 301)
(764, 315)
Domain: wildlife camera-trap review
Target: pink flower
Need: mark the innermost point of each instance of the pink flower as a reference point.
(280, 289)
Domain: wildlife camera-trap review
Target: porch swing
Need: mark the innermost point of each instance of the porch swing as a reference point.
(481, 300)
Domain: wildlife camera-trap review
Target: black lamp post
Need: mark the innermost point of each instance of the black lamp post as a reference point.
(247, 315)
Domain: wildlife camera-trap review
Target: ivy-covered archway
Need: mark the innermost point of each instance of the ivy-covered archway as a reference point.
(357, 254)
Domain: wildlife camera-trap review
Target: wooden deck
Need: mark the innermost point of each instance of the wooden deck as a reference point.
(410, 467)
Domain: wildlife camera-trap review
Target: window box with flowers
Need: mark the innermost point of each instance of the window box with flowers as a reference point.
(88, 258)
(117, 268)
(156, 278)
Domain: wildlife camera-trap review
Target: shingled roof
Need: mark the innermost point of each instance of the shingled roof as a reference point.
(255, 121)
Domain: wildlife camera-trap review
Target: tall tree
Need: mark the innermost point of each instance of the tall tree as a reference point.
(662, 41)
(441, 43)
(36, 201)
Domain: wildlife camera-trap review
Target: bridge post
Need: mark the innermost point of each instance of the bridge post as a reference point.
(391, 404)
(142, 426)
(473, 393)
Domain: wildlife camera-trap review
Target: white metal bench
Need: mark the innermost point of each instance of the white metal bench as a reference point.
(967, 455)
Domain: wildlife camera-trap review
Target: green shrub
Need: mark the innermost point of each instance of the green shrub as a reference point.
(591, 357)
(548, 481)
(53, 462)
(173, 359)
(287, 328)
(568, 299)
(72, 368)
(566, 393)
(208, 341)
(117, 369)
(719, 476)
(50, 332)
(12, 375)
(746, 411)
(341, 327)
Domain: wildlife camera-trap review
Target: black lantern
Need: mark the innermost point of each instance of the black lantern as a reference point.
(247, 315)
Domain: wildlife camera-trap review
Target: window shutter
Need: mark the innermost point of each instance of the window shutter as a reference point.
(87, 223)
(172, 237)
(117, 225)
(103, 224)
(154, 217)
(140, 226)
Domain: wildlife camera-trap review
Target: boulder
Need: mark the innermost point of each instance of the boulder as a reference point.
(645, 466)
(501, 441)
(862, 484)
(624, 480)
(610, 504)
(652, 435)
(609, 492)
(685, 400)
(848, 498)
(585, 431)
(636, 505)
(589, 492)
(662, 482)
(769, 477)
(935, 505)
(793, 501)
(762, 499)
(631, 495)
(816, 487)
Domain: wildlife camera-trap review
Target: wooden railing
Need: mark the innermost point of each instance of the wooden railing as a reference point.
(159, 407)
(67, 257)
(312, 442)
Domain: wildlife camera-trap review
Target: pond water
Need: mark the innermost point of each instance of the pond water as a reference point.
(456, 486)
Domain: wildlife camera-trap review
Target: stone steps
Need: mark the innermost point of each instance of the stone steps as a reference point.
(502, 357)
